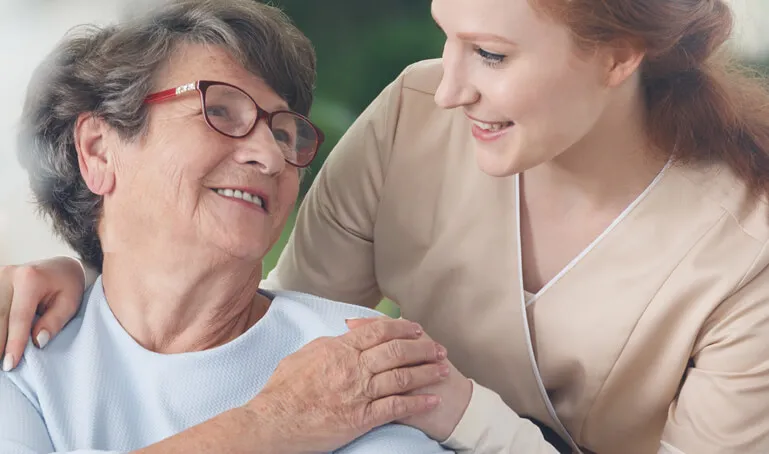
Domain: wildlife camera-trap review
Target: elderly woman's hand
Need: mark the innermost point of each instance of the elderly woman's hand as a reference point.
(336, 389)
(455, 392)
(52, 288)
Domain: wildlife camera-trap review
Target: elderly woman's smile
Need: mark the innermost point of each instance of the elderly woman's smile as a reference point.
(249, 195)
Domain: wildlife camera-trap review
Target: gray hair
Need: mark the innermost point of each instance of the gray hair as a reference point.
(109, 72)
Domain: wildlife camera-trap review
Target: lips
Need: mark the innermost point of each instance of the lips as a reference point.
(486, 131)
(492, 127)
(249, 197)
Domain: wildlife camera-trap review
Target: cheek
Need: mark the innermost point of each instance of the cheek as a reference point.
(554, 98)
(519, 92)
(178, 168)
(287, 194)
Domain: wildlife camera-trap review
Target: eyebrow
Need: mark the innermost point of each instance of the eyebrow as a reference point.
(484, 37)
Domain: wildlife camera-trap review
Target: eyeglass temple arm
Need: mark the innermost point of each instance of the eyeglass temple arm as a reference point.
(170, 93)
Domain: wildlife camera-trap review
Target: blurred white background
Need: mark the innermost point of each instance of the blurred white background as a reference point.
(30, 28)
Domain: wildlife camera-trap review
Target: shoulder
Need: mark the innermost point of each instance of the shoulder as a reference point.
(423, 76)
(393, 439)
(720, 188)
(38, 367)
(318, 314)
(738, 245)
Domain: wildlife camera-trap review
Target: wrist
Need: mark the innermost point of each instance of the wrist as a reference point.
(457, 408)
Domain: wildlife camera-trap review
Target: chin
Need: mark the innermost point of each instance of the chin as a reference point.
(497, 163)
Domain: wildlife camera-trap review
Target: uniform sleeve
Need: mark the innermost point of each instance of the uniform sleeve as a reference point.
(22, 429)
(394, 439)
(330, 252)
(723, 404)
(490, 426)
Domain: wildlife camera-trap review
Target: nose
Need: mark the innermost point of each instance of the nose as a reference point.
(455, 89)
(260, 149)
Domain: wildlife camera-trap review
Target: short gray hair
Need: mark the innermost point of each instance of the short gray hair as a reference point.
(109, 71)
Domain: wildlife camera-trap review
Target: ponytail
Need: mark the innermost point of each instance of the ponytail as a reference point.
(701, 105)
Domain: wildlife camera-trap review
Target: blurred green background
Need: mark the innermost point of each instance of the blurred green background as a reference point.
(362, 46)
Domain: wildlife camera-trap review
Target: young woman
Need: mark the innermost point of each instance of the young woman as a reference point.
(572, 201)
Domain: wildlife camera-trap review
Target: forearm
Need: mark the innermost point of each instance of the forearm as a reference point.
(238, 431)
(490, 426)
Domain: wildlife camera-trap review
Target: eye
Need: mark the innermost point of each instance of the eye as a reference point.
(217, 111)
(283, 136)
(489, 58)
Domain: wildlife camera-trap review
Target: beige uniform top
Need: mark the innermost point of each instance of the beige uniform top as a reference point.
(655, 338)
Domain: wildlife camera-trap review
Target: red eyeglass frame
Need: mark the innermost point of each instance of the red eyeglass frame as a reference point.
(202, 85)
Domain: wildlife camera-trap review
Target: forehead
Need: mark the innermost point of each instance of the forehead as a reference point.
(192, 62)
(515, 20)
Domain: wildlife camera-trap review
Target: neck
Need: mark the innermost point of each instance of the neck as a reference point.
(611, 166)
(169, 306)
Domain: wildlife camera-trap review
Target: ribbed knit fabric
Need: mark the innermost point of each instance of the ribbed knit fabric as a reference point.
(95, 390)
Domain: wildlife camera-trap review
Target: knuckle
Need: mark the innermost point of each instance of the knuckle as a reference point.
(367, 362)
(372, 389)
(6, 272)
(403, 379)
(25, 275)
(398, 407)
(377, 332)
(397, 350)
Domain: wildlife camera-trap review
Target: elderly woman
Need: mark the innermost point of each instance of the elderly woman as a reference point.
(167, 151)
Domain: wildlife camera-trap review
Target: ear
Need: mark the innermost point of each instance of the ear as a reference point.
(622, 61)
(93, 153)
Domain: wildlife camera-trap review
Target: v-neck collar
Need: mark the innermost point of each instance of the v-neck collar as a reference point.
(530, 297)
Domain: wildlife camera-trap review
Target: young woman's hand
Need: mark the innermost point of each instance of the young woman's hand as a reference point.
(52, 288)
(455, 392)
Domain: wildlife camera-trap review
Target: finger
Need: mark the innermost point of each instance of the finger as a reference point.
(27, 295)
(6, 296)
(353, 323)
(389, 409)
(400, 353)
(60, 311)
(381, 331)
(406, 379)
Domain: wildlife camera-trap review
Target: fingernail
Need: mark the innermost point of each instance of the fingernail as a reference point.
(443, 370)
(441, 351)
(8, 363)
(42, 338)
(433, 401)
(418, 329)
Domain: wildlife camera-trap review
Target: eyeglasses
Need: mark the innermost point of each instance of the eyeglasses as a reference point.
(230, 111)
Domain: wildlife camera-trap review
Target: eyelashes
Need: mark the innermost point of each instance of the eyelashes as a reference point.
(490, 59)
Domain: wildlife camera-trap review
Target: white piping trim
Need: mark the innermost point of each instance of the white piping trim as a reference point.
(527, 329)
(667, 448)
(525, 304)
(596, 241)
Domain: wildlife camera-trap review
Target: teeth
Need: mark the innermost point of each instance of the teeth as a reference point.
(491, 126)
(235, 194)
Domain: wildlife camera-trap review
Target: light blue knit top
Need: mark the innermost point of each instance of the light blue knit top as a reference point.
(95, 390)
